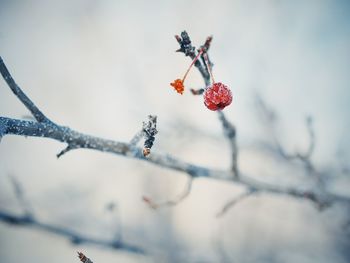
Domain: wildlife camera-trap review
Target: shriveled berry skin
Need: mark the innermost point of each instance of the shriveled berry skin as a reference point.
(178, 85)
(217, 96)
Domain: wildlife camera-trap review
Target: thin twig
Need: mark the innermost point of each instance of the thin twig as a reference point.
(148, 131)
(28, 219)
(185, 193)
(197, 91)
(270, 119)
(37, 114)
(67, 149)
(189, 50)
(234, 201)
(19, 193)
(83, 258)
(74, 237)
(230, 133)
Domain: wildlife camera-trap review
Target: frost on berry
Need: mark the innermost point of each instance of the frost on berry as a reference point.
(178, 86)
(217, 97)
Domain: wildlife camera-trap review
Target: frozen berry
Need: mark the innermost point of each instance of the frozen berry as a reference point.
(217, 97)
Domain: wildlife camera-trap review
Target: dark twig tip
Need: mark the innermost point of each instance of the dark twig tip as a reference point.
(197, 91)
(83, 258)
(65, 150)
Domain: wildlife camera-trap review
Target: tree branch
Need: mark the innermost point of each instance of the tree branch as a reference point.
(19, 193)
(235, 200)
(185, 193)
(230, 133)
(37, 114)
(74, 237)
(189, 50)
(83, 258)
(148, 131)
(269, 118)
(28, 219)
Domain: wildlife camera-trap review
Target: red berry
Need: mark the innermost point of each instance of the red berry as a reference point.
(217, 97)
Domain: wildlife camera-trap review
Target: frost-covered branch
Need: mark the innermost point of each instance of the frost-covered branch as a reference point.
(37, 114)
(148, 131)
(189, 50)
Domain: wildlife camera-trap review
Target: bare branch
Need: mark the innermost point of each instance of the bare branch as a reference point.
(189, 50)
(197, 91)
(230, 133)
(207, 44)
(19, 193)
(205, 55)
(173, 202)
(74, 237)
(113, 208)
(67, 149)
(269, 118)
(37, 114)
(30, 220)
(235, 200)
(84, 141)
(148, 131)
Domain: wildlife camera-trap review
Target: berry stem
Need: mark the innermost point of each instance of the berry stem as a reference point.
(193, 61)
(205, 55)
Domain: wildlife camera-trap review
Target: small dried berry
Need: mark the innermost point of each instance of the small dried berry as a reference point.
(217, 97)
(178, 86)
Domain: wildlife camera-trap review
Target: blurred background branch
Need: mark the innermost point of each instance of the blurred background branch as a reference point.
(28, 219)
